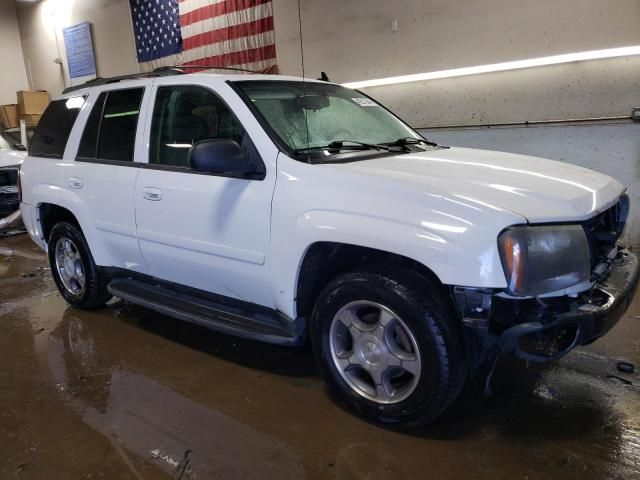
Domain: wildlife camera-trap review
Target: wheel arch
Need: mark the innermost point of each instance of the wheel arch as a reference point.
(48, 214)
(324, 260)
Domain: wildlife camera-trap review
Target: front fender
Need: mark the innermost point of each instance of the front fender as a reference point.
(444, 249)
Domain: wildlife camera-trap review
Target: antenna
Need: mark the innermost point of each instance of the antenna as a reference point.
(304, 86)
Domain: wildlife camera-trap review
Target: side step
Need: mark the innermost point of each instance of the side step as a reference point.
(253, 322)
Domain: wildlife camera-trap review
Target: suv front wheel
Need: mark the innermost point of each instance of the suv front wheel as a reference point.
(388, 347)
(75, 273)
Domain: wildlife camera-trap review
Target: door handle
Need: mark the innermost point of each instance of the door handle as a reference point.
(75, 182)
(153, 194)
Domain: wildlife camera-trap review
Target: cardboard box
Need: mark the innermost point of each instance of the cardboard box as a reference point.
(31, 119)
(32, 103)
(9, 116)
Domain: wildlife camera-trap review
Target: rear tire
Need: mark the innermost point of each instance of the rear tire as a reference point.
(400, 361)
(74, 272)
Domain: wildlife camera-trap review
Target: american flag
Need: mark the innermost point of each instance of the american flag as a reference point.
(229, 33)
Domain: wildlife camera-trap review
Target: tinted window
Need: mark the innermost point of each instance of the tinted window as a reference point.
(89, 141)
(119, 123)
(185, 115)
(52, 132)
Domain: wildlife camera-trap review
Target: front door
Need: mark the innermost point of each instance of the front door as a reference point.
(209, 232)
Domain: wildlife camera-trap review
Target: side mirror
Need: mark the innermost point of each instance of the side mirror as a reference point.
(219, 156)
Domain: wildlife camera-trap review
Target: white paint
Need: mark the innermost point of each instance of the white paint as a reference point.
(501, 67)
(172, 462)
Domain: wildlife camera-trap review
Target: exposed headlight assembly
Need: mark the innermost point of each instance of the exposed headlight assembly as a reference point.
(544, 259)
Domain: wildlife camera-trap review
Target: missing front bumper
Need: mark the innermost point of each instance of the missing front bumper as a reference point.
(590, 316)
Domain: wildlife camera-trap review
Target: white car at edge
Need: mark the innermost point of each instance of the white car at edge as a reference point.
(292, 211)
(11, 158)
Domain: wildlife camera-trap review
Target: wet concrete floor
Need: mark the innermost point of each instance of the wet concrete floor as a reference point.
(125, 393)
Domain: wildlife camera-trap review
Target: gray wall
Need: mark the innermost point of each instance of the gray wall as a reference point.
(13, 72)
(41, 26)
(613, 149)
(353, 41)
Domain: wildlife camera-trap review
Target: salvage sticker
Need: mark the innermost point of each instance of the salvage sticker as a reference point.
(365, 102)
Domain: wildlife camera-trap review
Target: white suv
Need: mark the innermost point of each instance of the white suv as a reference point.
(289, 211)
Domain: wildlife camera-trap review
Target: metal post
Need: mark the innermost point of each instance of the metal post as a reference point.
(23, 134)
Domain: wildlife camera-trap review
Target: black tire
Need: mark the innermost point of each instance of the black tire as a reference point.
(427, 311)
(94, 294)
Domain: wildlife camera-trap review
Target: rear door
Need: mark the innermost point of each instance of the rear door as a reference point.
(205, 231)
(104, 174)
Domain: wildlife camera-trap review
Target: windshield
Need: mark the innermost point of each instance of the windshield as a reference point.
(333, 114)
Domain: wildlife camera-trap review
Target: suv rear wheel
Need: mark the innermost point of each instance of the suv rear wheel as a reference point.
(75, 273)
(388, 347)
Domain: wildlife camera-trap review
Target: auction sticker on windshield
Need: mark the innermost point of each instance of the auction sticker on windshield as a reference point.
(365, 102)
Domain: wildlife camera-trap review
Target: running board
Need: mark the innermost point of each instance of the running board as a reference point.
(253, 322)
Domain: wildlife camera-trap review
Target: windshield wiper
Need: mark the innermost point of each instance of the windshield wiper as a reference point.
(347, 145)
(404, 141)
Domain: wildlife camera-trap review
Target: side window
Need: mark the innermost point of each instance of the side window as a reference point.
(119, 123)
(183, 115)
(52, 132)
(110, 132)
(89, 141)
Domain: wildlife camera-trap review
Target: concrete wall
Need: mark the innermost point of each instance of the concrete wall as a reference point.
(41, 26)
(14, 77)
(354, 41)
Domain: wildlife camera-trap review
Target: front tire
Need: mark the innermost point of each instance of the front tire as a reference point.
(388, 346)
(76, 275)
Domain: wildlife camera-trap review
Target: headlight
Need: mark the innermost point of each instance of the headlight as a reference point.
(538, 260)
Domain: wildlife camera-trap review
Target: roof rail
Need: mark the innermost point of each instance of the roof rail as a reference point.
(158, 72)
(215, 67)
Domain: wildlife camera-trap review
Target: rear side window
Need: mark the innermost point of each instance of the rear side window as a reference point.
(89, 141)
(110, 132)
(52, 132)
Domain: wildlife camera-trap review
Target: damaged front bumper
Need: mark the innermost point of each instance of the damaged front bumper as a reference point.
(545, 330)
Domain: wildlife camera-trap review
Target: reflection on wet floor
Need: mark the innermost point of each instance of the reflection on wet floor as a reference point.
(125, 393)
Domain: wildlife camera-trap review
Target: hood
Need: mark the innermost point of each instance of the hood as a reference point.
(537, 189)
(10, 158)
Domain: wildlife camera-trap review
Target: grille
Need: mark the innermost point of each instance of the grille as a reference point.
(604, 229)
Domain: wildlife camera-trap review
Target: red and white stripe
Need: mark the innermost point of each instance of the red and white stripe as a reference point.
(230, 33)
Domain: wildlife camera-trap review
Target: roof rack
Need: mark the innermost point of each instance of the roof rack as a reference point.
(157, 72)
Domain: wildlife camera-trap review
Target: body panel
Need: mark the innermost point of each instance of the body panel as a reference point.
(206, 231)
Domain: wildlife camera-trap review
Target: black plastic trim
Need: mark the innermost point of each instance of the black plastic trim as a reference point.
(220, 313)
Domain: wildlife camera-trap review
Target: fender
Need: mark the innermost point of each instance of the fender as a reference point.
(64, 198)
(441, 252)
(455, 239)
